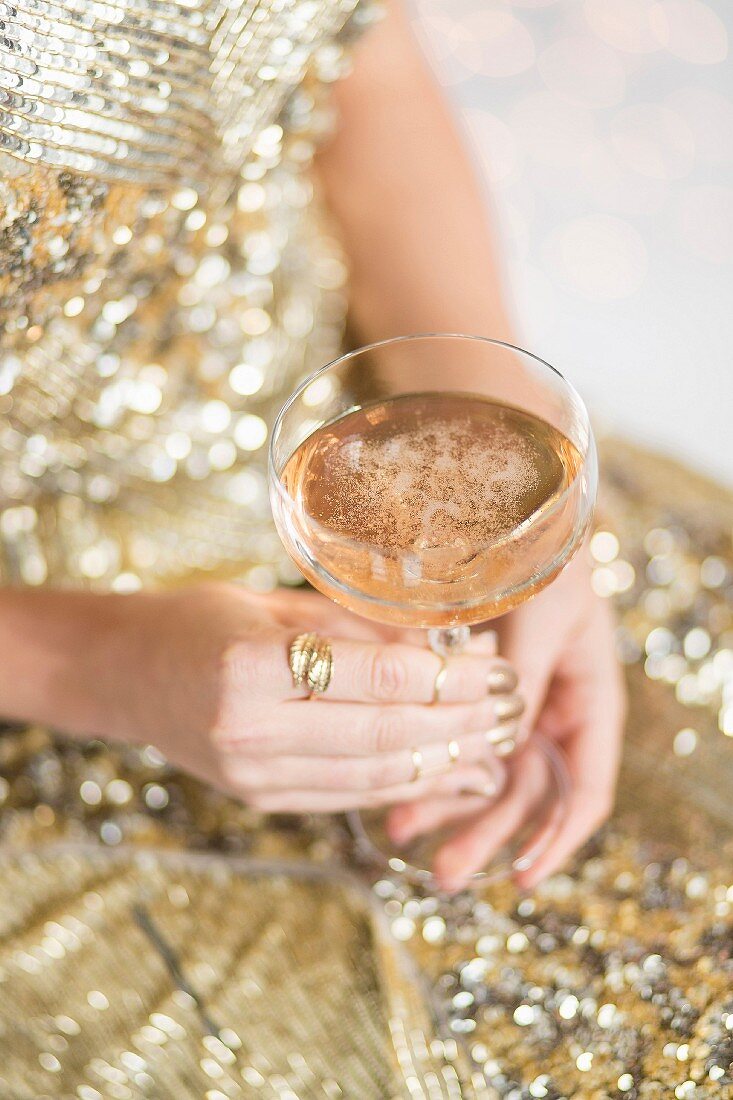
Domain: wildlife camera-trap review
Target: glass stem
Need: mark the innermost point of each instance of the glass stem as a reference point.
(447, 641)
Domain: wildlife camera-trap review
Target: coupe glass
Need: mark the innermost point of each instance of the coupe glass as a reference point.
(443, 583)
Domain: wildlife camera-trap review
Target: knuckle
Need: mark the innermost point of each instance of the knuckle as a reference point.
(234, 663)
(387, 675)
(237, 669)
(245, 665)
(388, 731)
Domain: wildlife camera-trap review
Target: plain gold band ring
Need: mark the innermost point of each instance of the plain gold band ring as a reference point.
(423, 771)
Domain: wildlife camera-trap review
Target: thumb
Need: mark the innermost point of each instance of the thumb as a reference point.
(531, 640)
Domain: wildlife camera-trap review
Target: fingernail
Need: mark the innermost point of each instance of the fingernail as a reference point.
(501, 680)
(505, 748)
(502, 732)
(511, 707)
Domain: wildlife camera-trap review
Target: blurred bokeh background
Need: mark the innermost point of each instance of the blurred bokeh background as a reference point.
(604, 129)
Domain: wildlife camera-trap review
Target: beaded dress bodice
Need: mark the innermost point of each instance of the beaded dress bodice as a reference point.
(165, 277)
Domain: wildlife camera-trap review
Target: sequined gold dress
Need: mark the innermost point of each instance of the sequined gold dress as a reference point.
(165, 276)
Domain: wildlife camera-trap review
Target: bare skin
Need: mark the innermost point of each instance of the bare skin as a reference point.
(203, 673)
(561, 644)
(410, 209)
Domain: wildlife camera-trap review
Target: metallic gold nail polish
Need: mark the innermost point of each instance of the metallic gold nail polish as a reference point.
(511, 707)
(502, 732)
(505, 747)
(501, 680)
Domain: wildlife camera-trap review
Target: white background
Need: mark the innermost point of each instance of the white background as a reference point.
(604, 129)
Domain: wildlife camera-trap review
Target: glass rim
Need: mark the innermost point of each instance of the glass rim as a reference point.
(277, 484)
(345, 356)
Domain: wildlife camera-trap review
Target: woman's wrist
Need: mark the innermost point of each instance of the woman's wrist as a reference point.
(64, 657)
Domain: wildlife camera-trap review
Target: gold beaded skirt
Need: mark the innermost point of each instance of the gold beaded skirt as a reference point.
(158, 940)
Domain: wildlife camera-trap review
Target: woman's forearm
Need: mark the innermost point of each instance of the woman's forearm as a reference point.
(58, 658)
(407, 201)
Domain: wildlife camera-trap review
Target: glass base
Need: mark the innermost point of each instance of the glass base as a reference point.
(519, 823)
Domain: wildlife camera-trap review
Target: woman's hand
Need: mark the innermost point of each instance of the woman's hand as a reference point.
(203, 674)
(561, 644)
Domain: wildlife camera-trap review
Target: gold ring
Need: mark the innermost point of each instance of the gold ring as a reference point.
(439, 681)
(417, 765)
(311, 662)
(421, 771)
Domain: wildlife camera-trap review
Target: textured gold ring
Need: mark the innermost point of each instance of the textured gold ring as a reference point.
(311, 662)
(439, 681)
